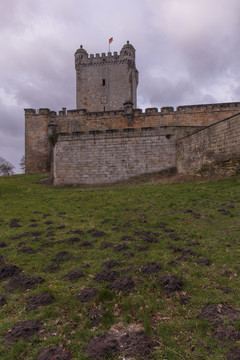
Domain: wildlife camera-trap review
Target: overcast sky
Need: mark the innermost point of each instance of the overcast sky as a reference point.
(187, 52)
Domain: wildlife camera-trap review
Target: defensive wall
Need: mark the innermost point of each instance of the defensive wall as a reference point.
(213, 150)
(100, 147)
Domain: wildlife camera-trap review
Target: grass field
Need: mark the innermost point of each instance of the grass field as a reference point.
(170, 278)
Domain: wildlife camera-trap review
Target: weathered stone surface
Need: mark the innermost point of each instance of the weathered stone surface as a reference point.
(117, 141)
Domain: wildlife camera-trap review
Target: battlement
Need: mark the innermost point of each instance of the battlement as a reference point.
(218, 107)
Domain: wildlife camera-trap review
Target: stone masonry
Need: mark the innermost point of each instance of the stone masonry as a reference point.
(106, 82)
(106, 139)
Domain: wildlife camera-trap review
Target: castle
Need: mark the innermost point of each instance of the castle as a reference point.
(108, 139)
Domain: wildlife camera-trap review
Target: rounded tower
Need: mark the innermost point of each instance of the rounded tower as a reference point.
(128, 51)
(81, 57)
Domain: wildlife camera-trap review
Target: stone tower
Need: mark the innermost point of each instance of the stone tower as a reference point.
(106, 82)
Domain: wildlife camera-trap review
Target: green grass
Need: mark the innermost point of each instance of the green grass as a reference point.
(190, 209)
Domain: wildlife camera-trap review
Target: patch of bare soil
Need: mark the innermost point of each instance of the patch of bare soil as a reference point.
(134, 343)
(106, 275)
(142, 248)
(216, 314)
(226, 334)
(33, 302)
(105, 245)
(73, 240)
(3, 244)
(127, 238)
(86, 244)
(78, 232)
(233, 353)
(125, 284)
(110, 264)
(151, 268)
(203, 261)
(62, 256)
(2, 300)
(74, 274)
(26, 250)
(54, 353)
(96, 233)
(95, 316)
(121, 247)
(51, 268)
(23, 281)
(87, 294)
(8, 271)
(150, 239)
(170, 284)
(14, 223)
(23, 330)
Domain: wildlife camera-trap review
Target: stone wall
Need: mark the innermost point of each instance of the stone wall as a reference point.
(106, 82)
(112, 156)
(213, 150)
(37, 146)
(39, 140)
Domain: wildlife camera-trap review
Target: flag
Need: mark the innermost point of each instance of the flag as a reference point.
(110, 40)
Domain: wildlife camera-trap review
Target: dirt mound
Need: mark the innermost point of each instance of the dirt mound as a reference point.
(23, 281)
(95, 316)
(121, 247)
(1, 259)
(106, 275)
(8, 271)
(142, 248)
(3, 244)
(151, 268)
(78, 232)
(111, 263)
(103, 345)
(170, 283)
(54, 353)
(86, 244)
(150, 239)
(23, 330)
(127, 238)
(233, 354)
(226, 334)
(50, 268)
(135, 343)
(204, 261)
(125, 284)
(14, 223)
(73, 240)
(96, 233)
(87, 294)
(62, 256)
(105, 245)
(39, 300)
(2, 300)
(26, 250)
(216, 314)
(74, 274)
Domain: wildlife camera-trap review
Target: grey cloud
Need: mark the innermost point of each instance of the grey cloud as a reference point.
(39, 38)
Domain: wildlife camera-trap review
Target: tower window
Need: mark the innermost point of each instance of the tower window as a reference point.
(103, 82)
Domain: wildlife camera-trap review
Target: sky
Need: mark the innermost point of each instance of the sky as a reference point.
(187, 52)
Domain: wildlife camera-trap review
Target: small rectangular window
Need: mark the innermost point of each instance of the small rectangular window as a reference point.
(103, 82)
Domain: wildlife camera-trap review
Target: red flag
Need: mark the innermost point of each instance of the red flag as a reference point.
(110, 40)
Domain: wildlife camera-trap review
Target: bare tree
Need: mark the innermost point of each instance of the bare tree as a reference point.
(22, 163)
(6, 168)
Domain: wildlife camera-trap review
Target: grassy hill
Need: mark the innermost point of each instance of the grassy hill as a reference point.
(146, 271)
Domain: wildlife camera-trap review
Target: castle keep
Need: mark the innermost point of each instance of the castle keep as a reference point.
(107, 139)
